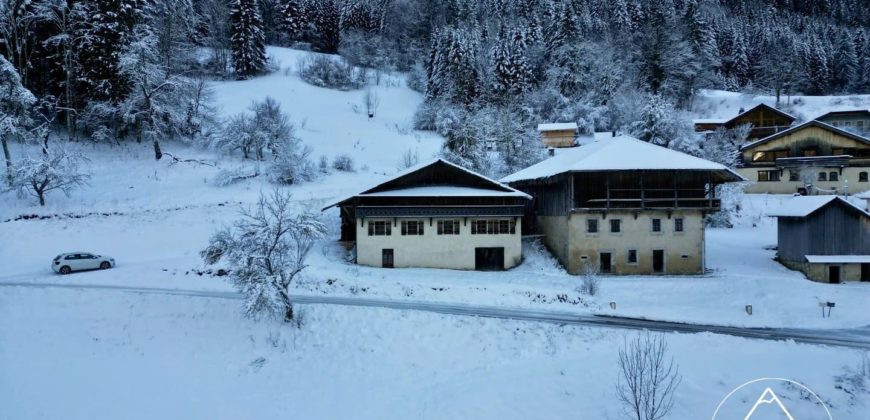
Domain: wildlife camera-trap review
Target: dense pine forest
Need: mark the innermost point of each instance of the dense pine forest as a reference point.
(138, 70)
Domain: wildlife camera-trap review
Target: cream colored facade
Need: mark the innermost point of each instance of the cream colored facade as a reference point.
(816, 136)
(819, 272)
(849, 177)
(568, 238)
(433, 250)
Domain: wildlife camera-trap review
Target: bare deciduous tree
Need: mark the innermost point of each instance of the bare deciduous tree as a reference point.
(648, 378)
(55, 169)
(591, 283)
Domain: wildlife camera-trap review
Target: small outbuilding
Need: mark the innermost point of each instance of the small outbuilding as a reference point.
(558, 134)
(824, 236)
(436, 215)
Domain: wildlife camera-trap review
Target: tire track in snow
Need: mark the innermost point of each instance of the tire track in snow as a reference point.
(854, 338)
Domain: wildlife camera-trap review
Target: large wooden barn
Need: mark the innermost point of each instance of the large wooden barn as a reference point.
(808, 158)
(825, 237)
(623, 206)
(436, 215)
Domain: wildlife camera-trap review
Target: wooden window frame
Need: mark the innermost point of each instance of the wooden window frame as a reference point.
(449, 227)
(679, 225)
(616, 223)
(373, 228)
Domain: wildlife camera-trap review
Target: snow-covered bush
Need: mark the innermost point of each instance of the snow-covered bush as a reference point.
(291, 164)
(264, 128)
(266, 251)
(231, 176)
(343, 163)
(323, 164)
(57, 169)
(410, 158)
(330, 72)
(591, 283)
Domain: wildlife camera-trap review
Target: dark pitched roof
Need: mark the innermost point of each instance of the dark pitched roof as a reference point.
(813, 123)
(441, 174)
(836, 113)
(764, 106)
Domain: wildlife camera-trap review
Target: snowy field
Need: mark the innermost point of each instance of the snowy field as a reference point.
(89, 354)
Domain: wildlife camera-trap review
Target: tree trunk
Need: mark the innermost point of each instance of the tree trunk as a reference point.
(8, 160)
(41, 196)
(157, 153)
(288, 317)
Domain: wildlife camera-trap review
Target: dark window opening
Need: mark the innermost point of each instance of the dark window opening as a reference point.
(592, 225)
(615, 225)
(678, 225)
(656, 225)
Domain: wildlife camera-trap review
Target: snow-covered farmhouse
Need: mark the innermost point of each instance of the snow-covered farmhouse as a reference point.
(824, 236)
(808, 158)
(623, 206)
(436, 215)
(558, 134)
(763, 119)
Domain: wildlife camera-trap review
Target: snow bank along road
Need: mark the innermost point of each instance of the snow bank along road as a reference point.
(854, 337)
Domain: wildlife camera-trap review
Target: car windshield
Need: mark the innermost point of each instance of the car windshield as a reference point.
(57, 258)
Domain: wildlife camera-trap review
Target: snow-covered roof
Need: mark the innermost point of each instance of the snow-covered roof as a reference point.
(838, 259)
(709, 121)
(803, 206)
(436, 190)
(444, 191)
(618, 153)
(557, 126)
(864, 195)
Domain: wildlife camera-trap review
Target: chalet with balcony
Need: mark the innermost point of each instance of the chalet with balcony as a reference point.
(856, 121)
(436, 215)
(623, 206)
(811, 158)
(558, 134)
(763, 119)
(826, 237)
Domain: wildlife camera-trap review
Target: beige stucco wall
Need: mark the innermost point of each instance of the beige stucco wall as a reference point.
(433, 250)
(567, 238)
(819, 272)
(849, 177)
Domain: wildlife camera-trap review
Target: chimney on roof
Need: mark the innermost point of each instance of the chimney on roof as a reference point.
(551, 151)
(741, 111)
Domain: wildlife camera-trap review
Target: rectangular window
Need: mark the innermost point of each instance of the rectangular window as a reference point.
(656, 225)
(379, 228)
(678, 224)
(493, 227)
(761, 157)
(632, 256)
(810, 152)
(412, 227)
(779, 154)
(823, 176)
(837, 152)
(592, 225)
(833, 176)
(768, 176)
(615, 225)
(860, 125)
(862, 177)
(794, 175)
(448, 227)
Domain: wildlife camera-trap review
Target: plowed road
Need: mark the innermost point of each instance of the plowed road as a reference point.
(854, 337)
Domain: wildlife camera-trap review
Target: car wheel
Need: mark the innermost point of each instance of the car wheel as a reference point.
(65, 270)
(104, 265)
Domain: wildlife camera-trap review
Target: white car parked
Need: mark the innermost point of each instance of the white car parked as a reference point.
(77, 261)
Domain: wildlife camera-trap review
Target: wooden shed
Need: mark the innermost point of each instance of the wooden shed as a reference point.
(826, 237)
(764, 120)
(558, 134)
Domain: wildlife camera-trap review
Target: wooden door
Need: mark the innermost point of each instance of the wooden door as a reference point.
(833, 274)
(489, 259)
(605, 262)
(658, 261)
(387, 258)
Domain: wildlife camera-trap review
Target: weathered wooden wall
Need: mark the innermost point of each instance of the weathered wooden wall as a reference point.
(834, 230)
